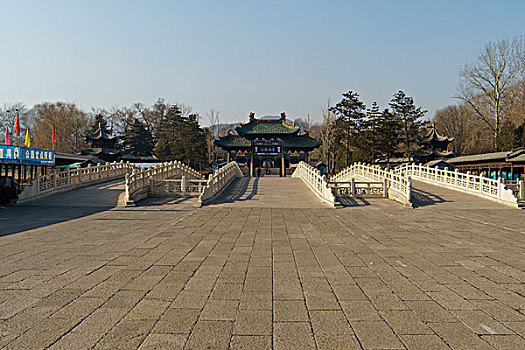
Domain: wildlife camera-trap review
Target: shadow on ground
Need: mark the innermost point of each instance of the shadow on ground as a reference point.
(60, 207)
(349, 201)
(156, 203)
(421, 198)
(241, 189)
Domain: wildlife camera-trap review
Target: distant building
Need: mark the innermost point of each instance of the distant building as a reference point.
(101, 146)
(434, 146)
(268, 142)
(509, 165)
(102, 149)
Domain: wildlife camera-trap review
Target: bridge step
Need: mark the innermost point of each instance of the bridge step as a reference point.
(521, 204)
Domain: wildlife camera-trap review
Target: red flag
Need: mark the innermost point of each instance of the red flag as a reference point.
(53, 137)
(7, 141)
(17, 124)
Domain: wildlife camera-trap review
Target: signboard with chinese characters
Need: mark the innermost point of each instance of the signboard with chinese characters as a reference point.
(268, 150)
(9, 154)
(265, 142)
(37, 156)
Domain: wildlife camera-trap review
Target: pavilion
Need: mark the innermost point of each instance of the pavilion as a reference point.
(101, 146)
(266, 142)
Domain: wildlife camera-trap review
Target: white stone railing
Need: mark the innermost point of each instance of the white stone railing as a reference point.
(217, 182)
(315, 181)
(139, 184)
(68, 179)
(182, 186)
(473, 184)
(396, 186)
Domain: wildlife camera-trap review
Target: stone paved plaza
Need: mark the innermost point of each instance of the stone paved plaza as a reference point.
(265, 266)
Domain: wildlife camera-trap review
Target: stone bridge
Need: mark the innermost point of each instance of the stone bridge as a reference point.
(265, 265)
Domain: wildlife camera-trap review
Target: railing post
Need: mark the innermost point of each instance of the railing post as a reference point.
(68, 177)
(481, 180)
(501, 187)
(127, 188)
(521, 190)
(37, 180)
(409, 188)
(352, 187)
(183, 184)
(79, 174)
(385, 187)
(54, 179)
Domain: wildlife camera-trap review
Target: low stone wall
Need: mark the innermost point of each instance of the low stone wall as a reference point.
(139, 184)
(476, 185)
(218, 182)
(398, 187)
(315, 181)
(69, 179)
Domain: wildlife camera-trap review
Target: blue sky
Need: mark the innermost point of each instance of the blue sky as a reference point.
(242, 56)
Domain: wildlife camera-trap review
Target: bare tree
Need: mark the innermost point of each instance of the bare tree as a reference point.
(328, 135)
(485, 85)
(212, 133)
(71, 123)
(8, 117)
(470, 134)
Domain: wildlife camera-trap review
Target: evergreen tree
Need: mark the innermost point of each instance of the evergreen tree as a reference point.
(389, 135)
(372, 136)
(404, 108)
(181, 138)
(99, 121)
(351, 118)
(137, 140)
(519, 136)
(506, 139)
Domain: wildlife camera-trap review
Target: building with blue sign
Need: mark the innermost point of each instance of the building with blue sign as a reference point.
(273, 142)
(19, 166)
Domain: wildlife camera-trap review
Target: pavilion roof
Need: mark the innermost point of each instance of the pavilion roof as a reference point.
(232, 141)
(267, 127)
(294, 141)
(301, 141)
(96, 151)
(434, 136)
(436, 152)
(100, 134)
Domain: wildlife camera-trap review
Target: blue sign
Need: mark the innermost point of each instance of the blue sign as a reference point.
(37, 156)
(9, 154)
(264, 142)
(267, 149)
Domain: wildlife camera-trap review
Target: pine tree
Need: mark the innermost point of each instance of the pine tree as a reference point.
(99, 121)
(372, 136)
(181, 138)
(403, 107)
(350, 120)
(506, 139)
(389, 134)
(137, 140)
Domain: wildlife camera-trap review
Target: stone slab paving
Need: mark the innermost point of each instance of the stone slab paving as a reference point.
(238, 276)
(268, 192)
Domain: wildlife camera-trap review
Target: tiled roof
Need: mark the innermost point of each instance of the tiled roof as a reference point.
(302, 141)
(293, 141)
(100, 134)
(232, 141)
(495, 156)
(267, 127)
(433, 135)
